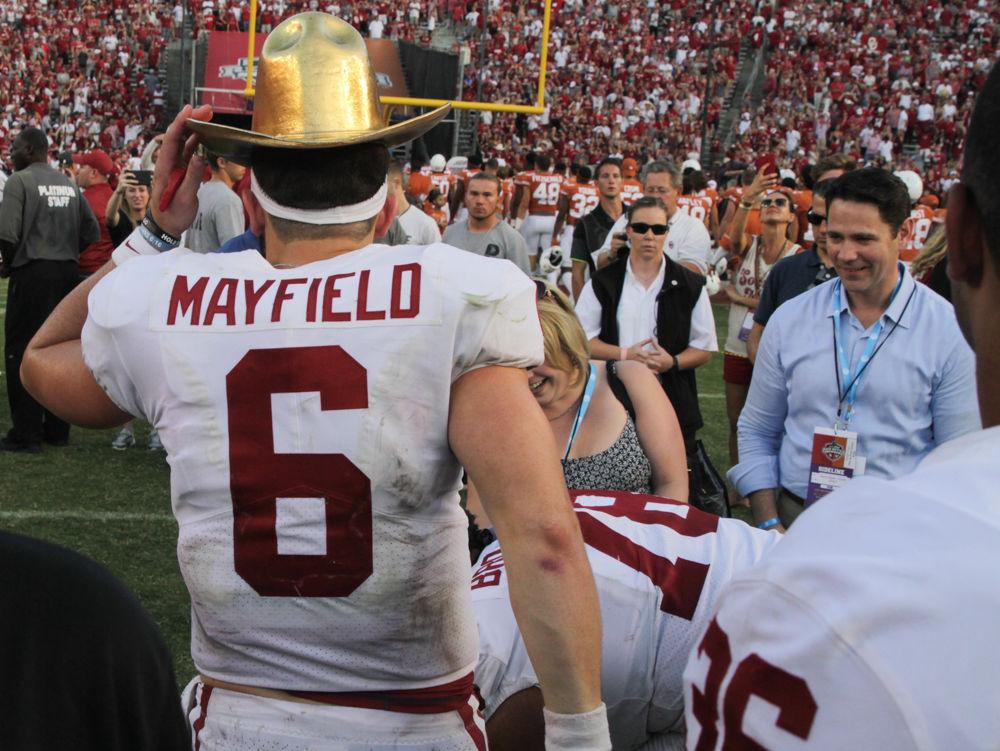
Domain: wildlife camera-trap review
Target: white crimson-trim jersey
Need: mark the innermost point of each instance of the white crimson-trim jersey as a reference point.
(872, 626)
(305, 415)
(659, 566)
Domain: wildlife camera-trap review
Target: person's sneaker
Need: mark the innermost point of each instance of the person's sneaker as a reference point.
(123, 441)
(155, 444)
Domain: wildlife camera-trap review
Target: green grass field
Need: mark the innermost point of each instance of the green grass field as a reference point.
(114, 506)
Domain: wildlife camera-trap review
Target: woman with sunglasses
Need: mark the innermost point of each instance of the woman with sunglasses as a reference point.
(750, 263)
(590, 405)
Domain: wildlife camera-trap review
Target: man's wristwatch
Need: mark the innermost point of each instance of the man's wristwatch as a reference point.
(677, 365)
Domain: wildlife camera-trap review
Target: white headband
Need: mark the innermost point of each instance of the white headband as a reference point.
(357, 212)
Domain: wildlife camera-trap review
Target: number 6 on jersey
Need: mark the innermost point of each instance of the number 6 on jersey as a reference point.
(259, 477)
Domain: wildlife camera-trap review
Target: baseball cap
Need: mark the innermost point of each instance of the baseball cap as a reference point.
(629, 166)
(438, 163)
(97, 159)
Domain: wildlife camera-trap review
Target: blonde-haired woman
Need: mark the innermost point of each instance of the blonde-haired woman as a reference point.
(603, 446)
(125, 210)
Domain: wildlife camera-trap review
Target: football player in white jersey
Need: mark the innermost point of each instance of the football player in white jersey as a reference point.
(659, 566)
(317, 407)
(873, 624)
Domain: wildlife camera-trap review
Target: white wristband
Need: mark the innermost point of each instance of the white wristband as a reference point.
(577, 732)
(135, 245)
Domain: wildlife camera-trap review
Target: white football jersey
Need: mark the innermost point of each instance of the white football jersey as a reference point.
(305, 416)
(872, 626)
(659, 565)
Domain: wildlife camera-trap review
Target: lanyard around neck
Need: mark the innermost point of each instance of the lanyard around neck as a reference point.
(843, 368)
(588, 393)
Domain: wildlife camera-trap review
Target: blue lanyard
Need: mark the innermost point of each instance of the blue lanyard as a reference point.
(588, 393)
(852, 379)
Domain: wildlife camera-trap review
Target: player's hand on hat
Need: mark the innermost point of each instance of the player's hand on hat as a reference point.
(178, 173)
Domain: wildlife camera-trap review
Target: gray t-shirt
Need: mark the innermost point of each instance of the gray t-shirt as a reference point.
(219, 219)
(45, 216)
(420, 229)
(502, 241)
(395, 235)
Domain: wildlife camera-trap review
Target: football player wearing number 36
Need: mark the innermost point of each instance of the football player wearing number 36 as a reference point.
(659, 566)
(317, 408)
(873, 624)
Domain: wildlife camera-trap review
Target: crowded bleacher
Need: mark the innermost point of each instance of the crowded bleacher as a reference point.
(625, 78)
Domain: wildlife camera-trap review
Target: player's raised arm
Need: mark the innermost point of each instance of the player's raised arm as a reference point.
(501, 437)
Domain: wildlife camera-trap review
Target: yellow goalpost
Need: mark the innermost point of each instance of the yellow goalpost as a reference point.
(394, 101)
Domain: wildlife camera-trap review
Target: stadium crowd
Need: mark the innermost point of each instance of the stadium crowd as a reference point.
(623, 78)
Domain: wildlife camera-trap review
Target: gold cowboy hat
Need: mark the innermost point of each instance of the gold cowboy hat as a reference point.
(316, 89)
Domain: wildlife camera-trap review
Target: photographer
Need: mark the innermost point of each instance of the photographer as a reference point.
(122, 216)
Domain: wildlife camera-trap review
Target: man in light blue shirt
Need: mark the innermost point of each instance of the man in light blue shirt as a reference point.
(872, 349)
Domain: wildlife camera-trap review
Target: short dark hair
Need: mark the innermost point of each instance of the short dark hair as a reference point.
(606, 161)
(876, 186)
(820, 189)
(694, 181)
(583, 173)
(981, 163)
(833, 161)
(213, 160)
(542, 162)
(489, 178)
(647, 202)
(336, 177)
(35, 140)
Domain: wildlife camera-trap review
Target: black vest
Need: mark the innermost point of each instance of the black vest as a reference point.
(681, 289)
(593, 228)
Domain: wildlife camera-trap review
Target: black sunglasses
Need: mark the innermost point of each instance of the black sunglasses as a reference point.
(641, 228)
(815, 218)
(774, 202)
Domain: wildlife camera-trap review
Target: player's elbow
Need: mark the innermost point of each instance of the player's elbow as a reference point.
(556, 548)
